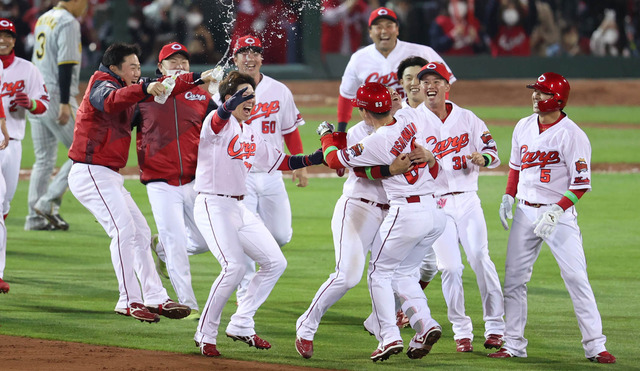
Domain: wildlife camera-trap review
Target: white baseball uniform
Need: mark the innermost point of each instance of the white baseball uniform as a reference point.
(369, 65)
(232, 231)
(356, 220)
(549, 163)
(19, 76)
(394, 263)
(461, 134)
(274, 115)
(57, 42)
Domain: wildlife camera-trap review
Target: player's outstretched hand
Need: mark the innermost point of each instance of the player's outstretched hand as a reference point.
(64, 114)
(156, 88)
(237, 99)
(301, 176)
(506, 210)
(546, 223)
(476, 158)
(325, 128)
(22, 100)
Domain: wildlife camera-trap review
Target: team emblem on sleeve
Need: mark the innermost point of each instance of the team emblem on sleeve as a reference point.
(353, 151)
(581, 165)
(486, 137)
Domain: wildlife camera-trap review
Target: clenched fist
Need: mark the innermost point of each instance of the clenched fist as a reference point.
(22, 100)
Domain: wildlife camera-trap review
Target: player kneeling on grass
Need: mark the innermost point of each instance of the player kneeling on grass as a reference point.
(550, 157)
(100, 149)
(228, 150)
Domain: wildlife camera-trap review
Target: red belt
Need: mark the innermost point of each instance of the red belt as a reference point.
(533, 205)
(413, 199)
(372, 203)
(239, 198)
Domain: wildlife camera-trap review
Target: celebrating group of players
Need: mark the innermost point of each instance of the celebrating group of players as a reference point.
(211, 165)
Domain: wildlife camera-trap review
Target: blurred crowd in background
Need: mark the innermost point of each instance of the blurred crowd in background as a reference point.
(451, 27)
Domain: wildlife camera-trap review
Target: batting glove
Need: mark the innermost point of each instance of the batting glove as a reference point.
(546, 223)
(505, 210)
(325, 128)
(225, 109)
(22, 100)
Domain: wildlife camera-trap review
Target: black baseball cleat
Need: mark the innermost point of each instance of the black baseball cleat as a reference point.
(55, 219)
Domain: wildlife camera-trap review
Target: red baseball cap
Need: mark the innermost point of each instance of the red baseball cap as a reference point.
(382, 12)
(247, 41)
(373, 96)
(7, 25)
(171, 49)
(435, 68)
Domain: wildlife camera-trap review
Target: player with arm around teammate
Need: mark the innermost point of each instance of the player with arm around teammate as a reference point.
(167, 143)
(100, 149)
(355, 223)
(394, 263)
(549, 172)
(57, 54)
(463, 144)
(228, 150)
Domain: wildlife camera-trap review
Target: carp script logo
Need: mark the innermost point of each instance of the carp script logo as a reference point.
(538, 158)
(449, 145)
(264, 110)
(193, 96)
(241, 150)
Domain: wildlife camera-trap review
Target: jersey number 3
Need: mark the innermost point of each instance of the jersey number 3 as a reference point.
(41, 38)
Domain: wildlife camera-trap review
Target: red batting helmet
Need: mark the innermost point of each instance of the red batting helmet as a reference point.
(553, 84)
(374, 97)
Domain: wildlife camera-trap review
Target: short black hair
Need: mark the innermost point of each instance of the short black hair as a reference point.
(229, 85)
(116, 53)
(411, 61)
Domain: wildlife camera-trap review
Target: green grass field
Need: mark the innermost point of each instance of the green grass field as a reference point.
(63, 286)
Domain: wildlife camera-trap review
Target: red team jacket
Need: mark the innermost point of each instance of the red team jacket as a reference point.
(168, 136)
(103, 123)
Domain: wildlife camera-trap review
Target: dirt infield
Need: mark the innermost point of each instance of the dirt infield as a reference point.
(20, 353)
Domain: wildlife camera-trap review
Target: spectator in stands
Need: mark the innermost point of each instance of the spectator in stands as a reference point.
(265, 19)
(509, 25)
(342, 24)
(200, 41)
(570, 41)
(545, 39)
(168, 20)
(604, 40)
(457, 31)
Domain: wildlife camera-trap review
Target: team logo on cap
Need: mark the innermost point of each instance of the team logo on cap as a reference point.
(176, 47)
(383, 12)
(431, 66)
(250, 41)
(5, 23)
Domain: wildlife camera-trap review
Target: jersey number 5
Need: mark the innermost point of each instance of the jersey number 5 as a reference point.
(545, 175)
(41, 38)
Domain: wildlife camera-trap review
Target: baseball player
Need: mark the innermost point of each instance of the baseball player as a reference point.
(100, 149)
(408, 70)
(379, 61)
(463, 144)
(22, 91)
(57, 54)
(4, 286)
(549, 172)
(276, 118)
(229, 147)
(356, 220)
(395, 261)
(167, 145)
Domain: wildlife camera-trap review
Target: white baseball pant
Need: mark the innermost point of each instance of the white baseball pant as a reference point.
(101, 190)
(355, 226)
(407, 233)
(9, 173)
(523, 249)
(232, 232)
(267, 197)
(172, 208)
(45, 193)
(465, 224)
